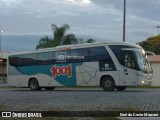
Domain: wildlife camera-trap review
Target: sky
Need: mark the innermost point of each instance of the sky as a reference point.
(24, 22)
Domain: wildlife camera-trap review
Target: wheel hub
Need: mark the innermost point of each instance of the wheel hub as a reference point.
(108, 83)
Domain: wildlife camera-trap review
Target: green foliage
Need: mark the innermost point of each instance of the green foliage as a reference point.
(2, 106)
(59, 33)
(70, 39)
(60, 38)
(44, 42)
(80, 40)
(152, 44)
(90, 40)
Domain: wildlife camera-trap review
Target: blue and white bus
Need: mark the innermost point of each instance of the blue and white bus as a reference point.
(111, 65)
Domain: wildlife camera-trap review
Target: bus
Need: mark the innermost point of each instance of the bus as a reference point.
(111, 65)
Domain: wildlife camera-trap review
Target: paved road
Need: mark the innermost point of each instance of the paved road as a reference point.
(79, 99)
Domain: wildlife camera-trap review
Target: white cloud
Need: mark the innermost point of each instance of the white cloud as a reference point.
(79, 2)
(57, 7)
(10, 3)
(97, 18)
(142, 19)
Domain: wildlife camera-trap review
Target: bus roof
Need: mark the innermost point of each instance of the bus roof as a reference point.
(73, 46)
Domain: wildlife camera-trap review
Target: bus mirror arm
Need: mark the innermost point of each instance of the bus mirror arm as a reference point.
(152, 53)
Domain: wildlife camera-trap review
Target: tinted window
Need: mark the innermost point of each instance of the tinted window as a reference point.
(78, 55)
(99, 54)
(83, 55)
(54, 57)
(70, 56)
(44, 58)
(29, 59)
(15, 60)
(129, 59)
(117, 50)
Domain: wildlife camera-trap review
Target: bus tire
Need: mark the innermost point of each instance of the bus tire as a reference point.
(33, 84)
(121, 88)
(49, 88)
(108, 84)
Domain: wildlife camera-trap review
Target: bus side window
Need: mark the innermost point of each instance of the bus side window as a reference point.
(29, 59)
(84, 53)
(79, 55)
(15, 60)
(44, 58)
(99, 54)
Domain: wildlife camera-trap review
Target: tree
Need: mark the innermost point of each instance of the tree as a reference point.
(43, 42)
(152, 44)
(70, 39)
(60, 38)
(59, 33)
(80, 40)
(90, 40)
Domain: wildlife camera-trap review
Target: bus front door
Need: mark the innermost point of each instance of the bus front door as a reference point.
(130, 71)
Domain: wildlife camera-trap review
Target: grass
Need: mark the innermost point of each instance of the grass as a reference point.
(2, 107)
(106, 118)
(49, 118)
(130, 108)
(8, 87)
(68, 118)
(144, 87)
(32, 108)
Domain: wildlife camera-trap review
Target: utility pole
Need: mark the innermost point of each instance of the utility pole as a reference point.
(124, 22)
(158, 29)
(0, 39)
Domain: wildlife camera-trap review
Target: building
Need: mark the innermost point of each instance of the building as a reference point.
(3, 67)
(155, 63)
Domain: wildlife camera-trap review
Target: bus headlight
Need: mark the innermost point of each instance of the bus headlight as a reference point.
(142, 82)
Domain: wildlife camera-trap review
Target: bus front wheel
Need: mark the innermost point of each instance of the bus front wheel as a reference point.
(108, 84)
(33, 84)
(121, 88)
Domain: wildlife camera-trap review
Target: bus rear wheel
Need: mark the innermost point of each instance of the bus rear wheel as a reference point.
(33, 84)
(49, 88)
(108, 84)
(121, 88)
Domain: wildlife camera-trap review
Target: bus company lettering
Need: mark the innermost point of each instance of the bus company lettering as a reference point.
(64, 70)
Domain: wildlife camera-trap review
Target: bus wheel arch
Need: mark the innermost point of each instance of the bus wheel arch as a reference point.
(33, 84)
(107, 82)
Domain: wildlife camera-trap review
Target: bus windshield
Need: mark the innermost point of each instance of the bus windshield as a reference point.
(143, 62)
